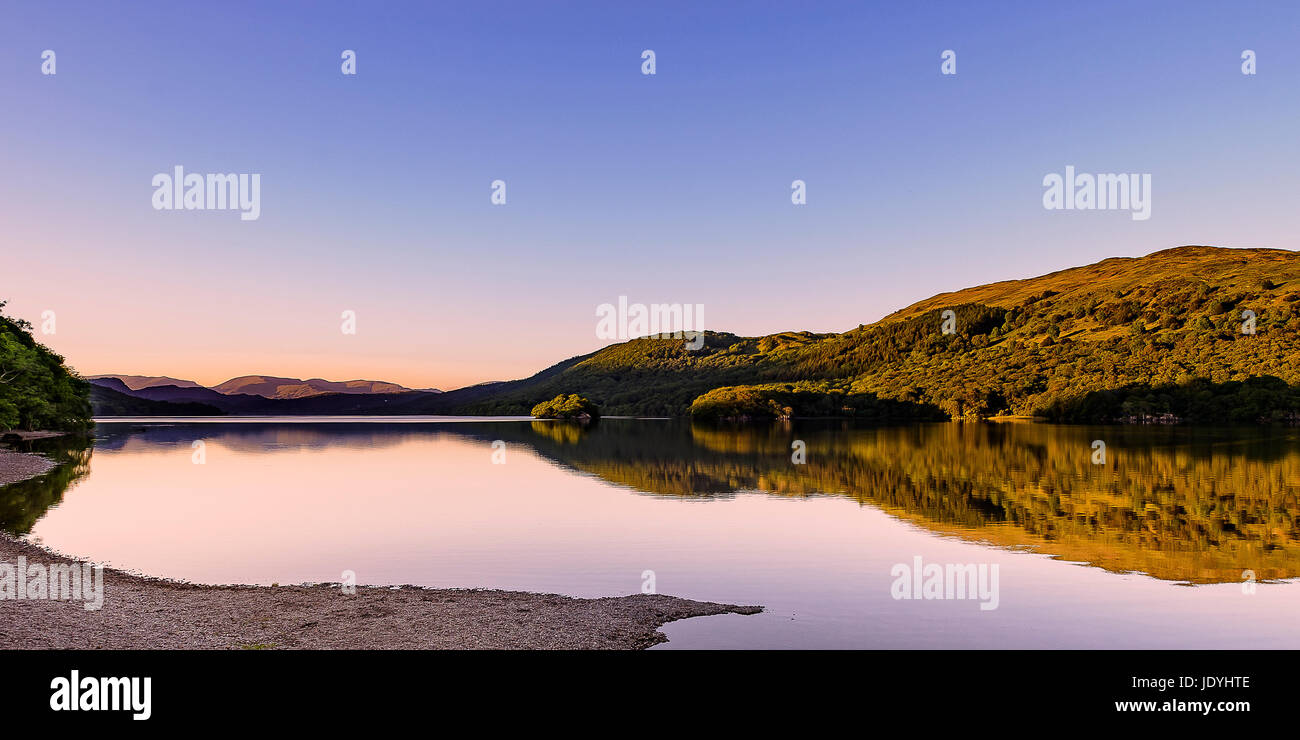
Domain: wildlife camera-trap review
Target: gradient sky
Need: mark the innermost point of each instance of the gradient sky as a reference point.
(671, 188)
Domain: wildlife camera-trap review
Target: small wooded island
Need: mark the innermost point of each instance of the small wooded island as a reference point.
(572, 406)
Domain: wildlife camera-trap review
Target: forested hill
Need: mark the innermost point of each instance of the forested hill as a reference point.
(1122, 339)
(37, 391)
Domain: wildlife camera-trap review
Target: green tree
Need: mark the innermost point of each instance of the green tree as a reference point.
(37, 391)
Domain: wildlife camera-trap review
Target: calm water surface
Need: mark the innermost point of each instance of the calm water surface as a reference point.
(1146, 550)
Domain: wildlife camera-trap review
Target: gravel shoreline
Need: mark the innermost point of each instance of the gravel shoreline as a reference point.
(139, 612)
(16, 466)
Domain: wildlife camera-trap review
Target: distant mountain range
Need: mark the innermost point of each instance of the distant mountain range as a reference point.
(136, 382)
(266, 386)
(139, 395)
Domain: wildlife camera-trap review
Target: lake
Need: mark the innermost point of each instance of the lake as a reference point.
(1179, 538)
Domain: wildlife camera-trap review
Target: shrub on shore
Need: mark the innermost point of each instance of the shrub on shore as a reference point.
(1259, 400)
(806, 400)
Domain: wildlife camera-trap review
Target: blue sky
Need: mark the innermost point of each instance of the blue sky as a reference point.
(666, 188)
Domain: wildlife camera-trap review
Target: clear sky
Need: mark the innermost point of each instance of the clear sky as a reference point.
(671, 188)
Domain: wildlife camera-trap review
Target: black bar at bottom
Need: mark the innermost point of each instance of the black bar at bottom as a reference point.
(305, 689)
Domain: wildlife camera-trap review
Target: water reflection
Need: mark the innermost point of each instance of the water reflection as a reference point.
(1197, 505)
(22, 504)
(1184, 504)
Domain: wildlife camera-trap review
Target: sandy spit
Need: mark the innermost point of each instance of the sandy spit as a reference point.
(16, 466)
(150, 613)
